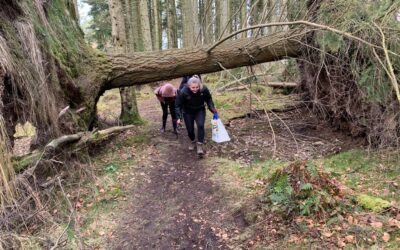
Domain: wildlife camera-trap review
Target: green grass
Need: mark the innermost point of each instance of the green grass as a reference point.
(137, 140)
(373, 173)
(240, 180)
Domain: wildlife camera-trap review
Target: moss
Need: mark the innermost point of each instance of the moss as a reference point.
(373, 203)
(22, 163)
(131, 119)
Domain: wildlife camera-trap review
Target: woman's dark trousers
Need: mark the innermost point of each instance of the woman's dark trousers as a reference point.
(171, 106)
(190, 118)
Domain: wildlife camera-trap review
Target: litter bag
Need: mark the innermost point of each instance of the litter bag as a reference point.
(219, 133)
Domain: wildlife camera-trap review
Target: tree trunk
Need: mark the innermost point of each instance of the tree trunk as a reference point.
(172, 25)
(189, 22)
(208, 22)
(157, 37)
(136, 26)
(224, 25)
(243, 18)
(145, 25)
(139, 68)
(130, 37)
(118, 30)
(129, 111)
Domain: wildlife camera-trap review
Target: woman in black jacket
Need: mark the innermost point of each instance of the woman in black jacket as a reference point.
(191, 101)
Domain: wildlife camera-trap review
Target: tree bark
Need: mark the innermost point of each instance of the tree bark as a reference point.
(118, 30)
(130, 37)
(172, 24)
(208, 22)
(224, 25)
(120, 22)
(190, 22)
(139, 68)
(145, 25)
(157, 37)
(243, 18)
(138, 43)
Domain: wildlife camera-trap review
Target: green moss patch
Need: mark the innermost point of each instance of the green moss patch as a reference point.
(375, 204)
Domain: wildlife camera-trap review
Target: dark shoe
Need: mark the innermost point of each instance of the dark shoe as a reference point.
(192, 145)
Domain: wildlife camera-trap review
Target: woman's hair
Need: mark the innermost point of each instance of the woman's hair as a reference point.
(195, 79)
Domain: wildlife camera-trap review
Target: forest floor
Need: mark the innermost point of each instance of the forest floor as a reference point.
(150, 192)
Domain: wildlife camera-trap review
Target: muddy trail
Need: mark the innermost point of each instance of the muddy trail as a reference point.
(173, 204)
(172, 201)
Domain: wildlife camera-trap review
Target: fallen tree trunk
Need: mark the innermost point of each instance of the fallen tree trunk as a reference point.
(140, 68)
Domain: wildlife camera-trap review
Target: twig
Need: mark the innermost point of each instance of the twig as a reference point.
(265, 110)
(70, 216)
(389, 70)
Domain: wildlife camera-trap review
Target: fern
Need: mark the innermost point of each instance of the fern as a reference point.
(306, 187)
(312, 169)
(312, 202)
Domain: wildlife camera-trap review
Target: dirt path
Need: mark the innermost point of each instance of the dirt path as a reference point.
(173, 204)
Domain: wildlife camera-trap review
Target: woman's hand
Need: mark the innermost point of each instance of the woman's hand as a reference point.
(178, 122)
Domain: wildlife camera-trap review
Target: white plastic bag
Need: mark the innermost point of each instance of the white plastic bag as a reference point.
(219, 133)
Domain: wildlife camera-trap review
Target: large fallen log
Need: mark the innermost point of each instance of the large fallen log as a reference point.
(140, 68)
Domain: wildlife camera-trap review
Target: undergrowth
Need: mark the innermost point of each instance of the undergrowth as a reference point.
(302, 188)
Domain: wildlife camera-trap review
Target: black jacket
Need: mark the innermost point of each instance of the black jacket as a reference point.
(190, 102)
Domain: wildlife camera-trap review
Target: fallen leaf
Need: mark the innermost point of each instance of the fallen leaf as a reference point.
(350, 219)
(386, 237)
(340, 243)
(394, 223)
(377, 224)
(327, 234)
(293, 238)
(101, 233)
(349, 238)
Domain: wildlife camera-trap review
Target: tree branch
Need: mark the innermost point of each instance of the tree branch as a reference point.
(307, 23)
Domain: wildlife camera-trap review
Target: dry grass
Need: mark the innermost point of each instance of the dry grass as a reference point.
(5, 57)
(33, 82)
(6, 167)
(7, 192)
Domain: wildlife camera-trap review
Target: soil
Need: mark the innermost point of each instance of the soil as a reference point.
(172, 201)
(174, 204)
(298, 135)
